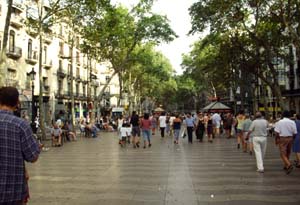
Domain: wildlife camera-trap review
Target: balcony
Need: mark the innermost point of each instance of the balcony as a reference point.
(58, 94)
(16, 21)
(61, 73)
(18, 5)
(32, 32)
(12, 82)
(48, 64)
(78, 79)
(46, 89)
(14, 52)
(48, 38)
(32, 58)
(95, 83)
(67, 94)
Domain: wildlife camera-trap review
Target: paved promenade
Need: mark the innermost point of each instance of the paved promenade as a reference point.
(98, 171)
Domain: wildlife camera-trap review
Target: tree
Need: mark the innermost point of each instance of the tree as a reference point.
(253, 29)
(149, 74)
(40, 22)
(120, 31)
(4, 43)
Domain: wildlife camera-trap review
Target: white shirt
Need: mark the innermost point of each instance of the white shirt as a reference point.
(172, 118)
(216, 118)
(162, 121)
(120, 123)
(286, 127)
(125, 131)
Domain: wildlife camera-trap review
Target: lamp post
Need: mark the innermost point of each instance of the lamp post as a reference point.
(32, 77)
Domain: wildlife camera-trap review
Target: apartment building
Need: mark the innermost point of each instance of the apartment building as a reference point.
(64, 69)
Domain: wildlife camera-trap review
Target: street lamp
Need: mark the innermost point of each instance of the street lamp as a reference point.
(32, 78)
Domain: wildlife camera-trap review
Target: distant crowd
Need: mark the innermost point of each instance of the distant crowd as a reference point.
(250, 132)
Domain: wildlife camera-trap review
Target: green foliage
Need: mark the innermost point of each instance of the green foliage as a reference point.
(118, 31)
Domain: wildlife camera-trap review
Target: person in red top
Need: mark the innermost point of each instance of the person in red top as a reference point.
(146, 126)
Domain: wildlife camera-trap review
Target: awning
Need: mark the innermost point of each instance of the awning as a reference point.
(158, 109)
(217, 107)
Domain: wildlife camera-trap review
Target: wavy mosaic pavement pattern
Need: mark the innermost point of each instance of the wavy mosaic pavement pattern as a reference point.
(98, 171)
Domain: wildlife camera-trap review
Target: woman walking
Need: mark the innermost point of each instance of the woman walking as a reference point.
(146, 130)
(240, 120)
(153, 123)
(209, 128)
(176, 128)
(200, 127)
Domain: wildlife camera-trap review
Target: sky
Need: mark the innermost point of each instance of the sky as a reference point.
(178, 14)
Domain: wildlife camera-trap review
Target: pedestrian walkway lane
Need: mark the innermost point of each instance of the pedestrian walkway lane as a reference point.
(98, 171)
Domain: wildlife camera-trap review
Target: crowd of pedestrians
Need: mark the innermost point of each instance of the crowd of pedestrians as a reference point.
(18, 144)
(250, 132)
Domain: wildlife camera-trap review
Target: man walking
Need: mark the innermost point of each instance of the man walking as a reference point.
(17, 145)
(259, 132)
(285, 130)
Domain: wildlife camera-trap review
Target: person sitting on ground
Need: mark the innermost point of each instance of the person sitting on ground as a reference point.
(56, 135)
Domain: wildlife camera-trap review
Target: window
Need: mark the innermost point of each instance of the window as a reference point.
(77, 89)
(77, 58)
(77, 71)
(70, 51)
(45, 81)
(28, 81)
(69, 88)
(12, 41)
(11, 74)
(69, 69)
(45, 54)
(77, 41)
(59, 86)
(83, 90)
(60, 65)
(29, 51)
(61, 48)
(107, 78)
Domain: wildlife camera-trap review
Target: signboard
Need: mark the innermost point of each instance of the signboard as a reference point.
(118, 109)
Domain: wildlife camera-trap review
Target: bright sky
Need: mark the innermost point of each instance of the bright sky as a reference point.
(177, 13)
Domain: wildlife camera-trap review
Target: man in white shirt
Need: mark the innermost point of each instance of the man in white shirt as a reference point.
(162, 124)
(285, 130)
(258, 128)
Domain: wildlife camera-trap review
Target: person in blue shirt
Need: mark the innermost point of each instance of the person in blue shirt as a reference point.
(17, 144)
(190, 126)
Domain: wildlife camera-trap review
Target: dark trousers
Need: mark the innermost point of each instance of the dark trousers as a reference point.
(190, 134)
(162, 131)
(199, 134)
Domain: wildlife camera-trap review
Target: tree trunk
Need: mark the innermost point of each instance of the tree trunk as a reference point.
(277, 93)
(4, 44)
(100, 96)
(41, 107)
(120, 88)
(7, 22)
(71, 86)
